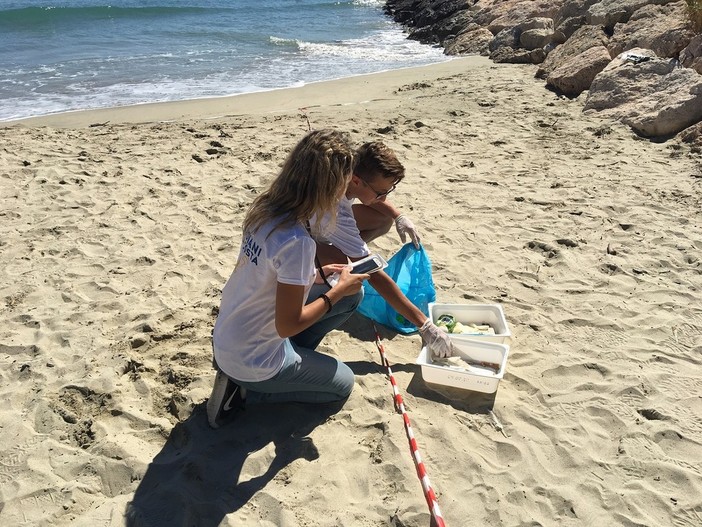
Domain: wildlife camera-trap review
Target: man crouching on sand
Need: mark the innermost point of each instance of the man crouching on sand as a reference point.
(377, 174)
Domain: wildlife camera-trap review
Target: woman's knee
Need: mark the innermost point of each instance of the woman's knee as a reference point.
(350, 303)
(345, 381)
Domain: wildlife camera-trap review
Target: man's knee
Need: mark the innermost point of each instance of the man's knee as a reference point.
(386, 224)
(371, 234)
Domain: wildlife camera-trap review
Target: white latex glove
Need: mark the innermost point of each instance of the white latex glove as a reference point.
(436, 339)
(404, 227)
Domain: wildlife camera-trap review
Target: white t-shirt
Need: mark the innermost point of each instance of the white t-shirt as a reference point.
(247, 346)
(345, 236)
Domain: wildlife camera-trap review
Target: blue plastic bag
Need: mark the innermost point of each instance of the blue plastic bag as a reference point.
(410, 268)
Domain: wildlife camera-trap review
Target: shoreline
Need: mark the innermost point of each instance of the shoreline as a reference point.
(355, 89)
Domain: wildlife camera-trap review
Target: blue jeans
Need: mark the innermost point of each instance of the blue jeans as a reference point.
(308, 376)
(342, 310)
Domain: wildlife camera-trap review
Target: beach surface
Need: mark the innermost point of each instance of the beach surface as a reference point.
(119, 227)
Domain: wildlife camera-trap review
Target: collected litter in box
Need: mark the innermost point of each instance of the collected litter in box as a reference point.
(476, 315)
(465, 364)
(477, 365)
(448, 323)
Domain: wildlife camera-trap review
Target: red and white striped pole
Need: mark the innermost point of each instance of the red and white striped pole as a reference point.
(421, 471)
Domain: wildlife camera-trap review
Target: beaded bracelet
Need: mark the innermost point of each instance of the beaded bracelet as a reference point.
(327, 301)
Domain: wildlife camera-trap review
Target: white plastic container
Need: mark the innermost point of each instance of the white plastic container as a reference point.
(476, 378)
(491, 314)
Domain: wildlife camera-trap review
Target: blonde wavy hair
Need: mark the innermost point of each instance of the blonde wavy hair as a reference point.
(311, 182)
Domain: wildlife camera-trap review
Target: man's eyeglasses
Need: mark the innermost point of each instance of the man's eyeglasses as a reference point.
(379, 195)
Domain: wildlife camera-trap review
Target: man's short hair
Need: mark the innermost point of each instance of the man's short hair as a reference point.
(376, 158)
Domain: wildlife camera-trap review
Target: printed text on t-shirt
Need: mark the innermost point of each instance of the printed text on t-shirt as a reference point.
(251, 249)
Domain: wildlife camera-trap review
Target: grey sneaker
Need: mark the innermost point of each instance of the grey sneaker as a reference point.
(226, 398)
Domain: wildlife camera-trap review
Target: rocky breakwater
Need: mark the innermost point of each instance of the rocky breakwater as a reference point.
(640, 61)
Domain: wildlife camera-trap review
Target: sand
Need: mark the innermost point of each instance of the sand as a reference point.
(116, 238)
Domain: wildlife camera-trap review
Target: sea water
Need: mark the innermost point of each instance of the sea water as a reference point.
(64, 55)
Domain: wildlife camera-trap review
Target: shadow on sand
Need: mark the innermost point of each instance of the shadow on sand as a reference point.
(196, 478)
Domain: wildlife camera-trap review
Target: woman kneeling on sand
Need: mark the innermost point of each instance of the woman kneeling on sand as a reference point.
(263, 302)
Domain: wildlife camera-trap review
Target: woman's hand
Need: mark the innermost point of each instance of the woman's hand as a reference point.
(328, 271)
(333, 268)
(349, 284)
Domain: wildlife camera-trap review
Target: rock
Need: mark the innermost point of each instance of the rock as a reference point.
(567, 39)
(535, 32)
(691, 56)
(410, 12)
(437, 11)
(424, 17)
(610, 12)
(573, 9)
(512, 14)
(692, 135)
(457, 24)
(565, 29)
(517, 56)
(536, 23)
(535, 38)
(583, 39)
(423, 13)
(475, 41)
(664, 29)
(575, 75)
(538, 55)
(424, 34)
(485, 11)
(649, 94)
(507, 38)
